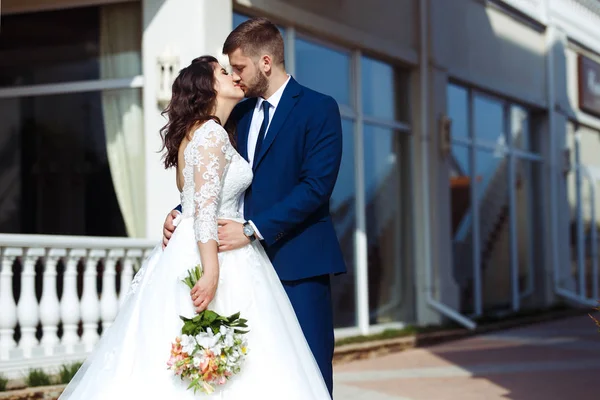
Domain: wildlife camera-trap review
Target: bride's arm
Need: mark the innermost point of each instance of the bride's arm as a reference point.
(210, 158)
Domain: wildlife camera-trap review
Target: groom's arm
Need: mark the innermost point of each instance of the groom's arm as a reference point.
(319, 172)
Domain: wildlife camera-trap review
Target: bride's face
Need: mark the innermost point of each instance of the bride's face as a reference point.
(225, 86)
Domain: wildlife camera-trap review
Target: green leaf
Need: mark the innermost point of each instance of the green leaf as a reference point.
(210, 316)
(234, 317)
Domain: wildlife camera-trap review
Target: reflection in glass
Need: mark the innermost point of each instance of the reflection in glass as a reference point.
(59, 46)
(462, 219)
(62, 175)
(494, 228)
(239, 18)
(584, 145)
(458, 104)
(379, 89)
(489, 122)
(528, 176)
(343, 212)
(520, 129)
(323, 69)
(384, 222)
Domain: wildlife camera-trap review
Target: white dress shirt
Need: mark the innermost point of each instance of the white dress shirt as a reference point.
(257, 120)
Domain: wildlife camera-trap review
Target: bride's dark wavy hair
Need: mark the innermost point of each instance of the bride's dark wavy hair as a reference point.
(192, 102)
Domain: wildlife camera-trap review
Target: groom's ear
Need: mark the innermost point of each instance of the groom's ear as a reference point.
(266, 63)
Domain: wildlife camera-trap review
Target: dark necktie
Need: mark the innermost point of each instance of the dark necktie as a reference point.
(261, 133)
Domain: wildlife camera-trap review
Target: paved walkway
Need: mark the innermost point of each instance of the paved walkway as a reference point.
(555, 360)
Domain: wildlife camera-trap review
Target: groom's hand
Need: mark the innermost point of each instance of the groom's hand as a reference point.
(231, 235)
(168, 227)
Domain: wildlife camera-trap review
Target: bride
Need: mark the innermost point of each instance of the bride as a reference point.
(130, 361)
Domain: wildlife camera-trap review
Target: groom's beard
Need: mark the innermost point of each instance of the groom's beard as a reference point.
(259, 86)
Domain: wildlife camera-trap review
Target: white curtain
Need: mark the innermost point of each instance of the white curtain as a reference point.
(120, 57)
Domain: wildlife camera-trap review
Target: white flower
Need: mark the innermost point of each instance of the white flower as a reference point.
(206, 339)
(198, 358)
(229, 342)
(188, 344)
(224, 330)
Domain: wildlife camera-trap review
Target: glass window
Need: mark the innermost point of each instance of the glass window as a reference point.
(458, 104)
(491, 177)
(492, 198)
(385, 221)
(343, 212)
(381, 85)
(323, 69)
(56, 170)
(66, 45)
(239, 18)
(461, 217)
(519, 121)
(489, 121)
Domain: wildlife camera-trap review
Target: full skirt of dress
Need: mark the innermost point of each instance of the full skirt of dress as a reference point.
(130, 360)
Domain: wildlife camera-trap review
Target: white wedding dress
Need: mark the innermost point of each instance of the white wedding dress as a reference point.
(130, 361)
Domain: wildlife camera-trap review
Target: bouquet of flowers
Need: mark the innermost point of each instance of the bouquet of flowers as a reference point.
(211, 348)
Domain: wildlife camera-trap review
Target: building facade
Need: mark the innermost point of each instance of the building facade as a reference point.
(469, 173)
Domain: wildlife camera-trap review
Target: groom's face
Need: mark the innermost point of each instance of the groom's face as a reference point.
(248, 74)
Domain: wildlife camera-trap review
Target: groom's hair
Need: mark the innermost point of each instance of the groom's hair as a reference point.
(255, 37)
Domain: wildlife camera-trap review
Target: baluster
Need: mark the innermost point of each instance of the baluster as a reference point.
(127, 274)
(90, 306)
(49, 305)
(69, 304)
(28, 308)
(109, 304)
(8, 307)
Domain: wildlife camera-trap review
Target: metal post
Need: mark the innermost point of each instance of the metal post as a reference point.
(360, 238)
(512, 211)
(475, 231)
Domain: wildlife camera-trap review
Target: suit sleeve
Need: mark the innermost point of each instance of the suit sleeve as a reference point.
(320, 167)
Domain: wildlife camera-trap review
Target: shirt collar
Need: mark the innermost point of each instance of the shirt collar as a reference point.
(275, 97)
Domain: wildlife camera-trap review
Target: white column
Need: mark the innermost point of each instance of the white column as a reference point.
(189, 29)
(109, 304)
(49, 305)
(69, 304)
(8, 316)
(361, 262)
(127, 273)
(28, 308)
(90, 306)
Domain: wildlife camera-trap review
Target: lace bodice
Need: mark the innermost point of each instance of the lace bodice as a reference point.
(214, 178)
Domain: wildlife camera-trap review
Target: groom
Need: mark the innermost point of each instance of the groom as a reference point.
(292, 137)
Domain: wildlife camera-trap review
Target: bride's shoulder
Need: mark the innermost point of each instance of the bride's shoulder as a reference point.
(210, 135)
(210, 130)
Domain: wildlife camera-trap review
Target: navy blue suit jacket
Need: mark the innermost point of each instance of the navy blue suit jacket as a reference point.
(294, 176)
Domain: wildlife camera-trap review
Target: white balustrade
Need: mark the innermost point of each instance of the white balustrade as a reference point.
(90, 304)
(75, 305)
(8, 315)
(49, 305)
(70, 313)
(28, 312)
(109, 303)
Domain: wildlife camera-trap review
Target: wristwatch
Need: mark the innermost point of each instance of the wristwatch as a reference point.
(249, 231)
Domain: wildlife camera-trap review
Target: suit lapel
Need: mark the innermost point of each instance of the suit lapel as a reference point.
(243, 129)
(286, 104)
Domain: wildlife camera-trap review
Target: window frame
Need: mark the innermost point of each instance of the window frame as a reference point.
(355, 114)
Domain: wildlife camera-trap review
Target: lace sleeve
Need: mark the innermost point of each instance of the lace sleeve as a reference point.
(210, 155)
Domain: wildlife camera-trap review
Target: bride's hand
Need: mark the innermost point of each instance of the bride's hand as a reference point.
(204, 290)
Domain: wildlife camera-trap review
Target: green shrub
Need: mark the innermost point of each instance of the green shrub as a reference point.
(67, 372)
(3, 383)
(37, 377)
